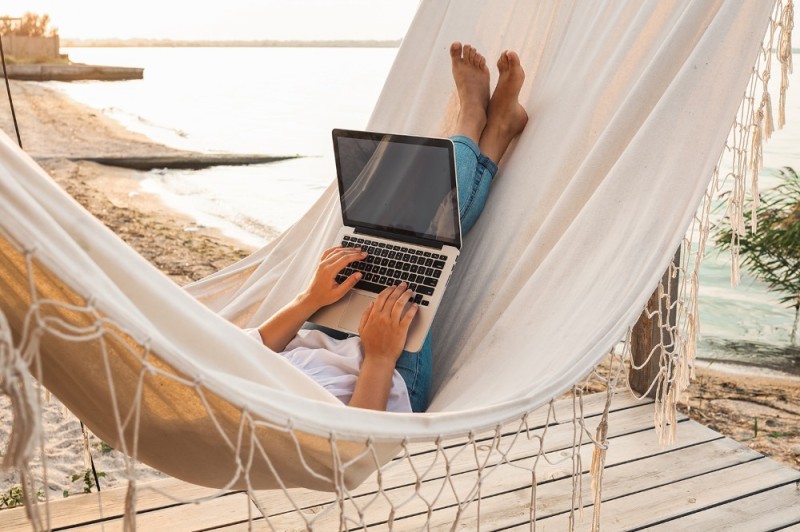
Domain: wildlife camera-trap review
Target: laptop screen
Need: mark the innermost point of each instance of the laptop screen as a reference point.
(396, 183)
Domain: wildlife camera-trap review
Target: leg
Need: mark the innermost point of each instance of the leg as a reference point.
(477, 155)
(506, 117)
(472, 83)
(417, 371)
(475, 173)
(475, 166)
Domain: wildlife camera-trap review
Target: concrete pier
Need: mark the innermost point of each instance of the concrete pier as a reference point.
(181, 161)
(72, 72)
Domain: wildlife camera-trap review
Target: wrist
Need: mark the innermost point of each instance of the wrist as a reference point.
(306, 303)
(380, 360)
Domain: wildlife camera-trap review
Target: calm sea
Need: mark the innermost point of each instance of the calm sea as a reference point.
(286, 101)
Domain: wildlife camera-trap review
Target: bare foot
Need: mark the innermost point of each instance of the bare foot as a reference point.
(506, 117)
(472, 81)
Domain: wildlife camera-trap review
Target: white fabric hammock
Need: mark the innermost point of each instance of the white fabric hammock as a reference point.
(630, 105)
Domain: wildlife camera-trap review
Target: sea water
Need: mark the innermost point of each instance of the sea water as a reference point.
(286, 100)
(276, 101)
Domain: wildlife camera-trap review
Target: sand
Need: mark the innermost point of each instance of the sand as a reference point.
(762, 412)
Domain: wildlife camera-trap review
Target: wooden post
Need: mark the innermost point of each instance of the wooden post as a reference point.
(648, 333)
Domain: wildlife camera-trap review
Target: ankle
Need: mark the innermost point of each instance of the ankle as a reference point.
(498, 135)
(471, 123)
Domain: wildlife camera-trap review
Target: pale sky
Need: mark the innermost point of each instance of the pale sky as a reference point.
(223, 19)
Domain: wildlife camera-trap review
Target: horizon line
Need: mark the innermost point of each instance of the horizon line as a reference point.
(71, 42)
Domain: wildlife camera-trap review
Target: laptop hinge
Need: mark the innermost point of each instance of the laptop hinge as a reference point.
(394, 236)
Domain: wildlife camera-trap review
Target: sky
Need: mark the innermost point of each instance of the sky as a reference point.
(223, 20)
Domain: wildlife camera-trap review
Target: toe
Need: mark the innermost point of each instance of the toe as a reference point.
(478, 60)
(502, 61)
(469, 53)
(455, 50)
(513, 58)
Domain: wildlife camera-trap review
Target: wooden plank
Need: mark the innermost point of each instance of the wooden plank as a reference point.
(217, 512)
(681, 497)
(773, 509)
(512, 447)
(79, 509)
(634, 462)
(438, 491)
(563, 411)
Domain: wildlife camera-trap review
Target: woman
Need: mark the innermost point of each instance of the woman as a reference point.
(372, 370)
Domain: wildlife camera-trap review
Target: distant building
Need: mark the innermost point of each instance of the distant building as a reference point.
(32, 49)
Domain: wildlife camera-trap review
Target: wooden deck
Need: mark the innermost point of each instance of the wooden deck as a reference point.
(703, 482)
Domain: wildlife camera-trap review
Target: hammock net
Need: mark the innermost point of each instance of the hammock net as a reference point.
(639, 113)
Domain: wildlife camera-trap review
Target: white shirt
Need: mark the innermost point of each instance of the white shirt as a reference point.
(335, 365)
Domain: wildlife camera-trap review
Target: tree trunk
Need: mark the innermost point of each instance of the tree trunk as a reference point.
(654, 329)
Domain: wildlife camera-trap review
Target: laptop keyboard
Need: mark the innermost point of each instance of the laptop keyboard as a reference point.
(389, 265)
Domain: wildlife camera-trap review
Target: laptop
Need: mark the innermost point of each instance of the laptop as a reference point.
(399, 204)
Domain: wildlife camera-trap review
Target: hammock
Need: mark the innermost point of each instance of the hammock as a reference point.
(630, 105)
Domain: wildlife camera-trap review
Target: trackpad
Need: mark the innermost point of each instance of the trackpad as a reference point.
(351, 318)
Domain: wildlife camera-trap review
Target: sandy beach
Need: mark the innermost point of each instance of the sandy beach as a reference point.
(762, 412)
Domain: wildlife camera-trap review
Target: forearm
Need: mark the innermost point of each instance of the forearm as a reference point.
(278, 331)
(282, 327)
(383, 329)
(374, 384)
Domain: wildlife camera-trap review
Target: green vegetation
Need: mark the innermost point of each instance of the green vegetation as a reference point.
(30, 25)
(105, 448)
(15, 497)
(772, 253)
(12, 498)
(88, 480)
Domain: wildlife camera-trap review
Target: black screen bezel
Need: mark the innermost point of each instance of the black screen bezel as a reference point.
(404, 139)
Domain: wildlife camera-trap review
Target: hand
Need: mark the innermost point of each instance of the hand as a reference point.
(384, 325)
(323, 289)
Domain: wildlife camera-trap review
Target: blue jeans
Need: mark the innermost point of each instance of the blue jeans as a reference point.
(474, 172)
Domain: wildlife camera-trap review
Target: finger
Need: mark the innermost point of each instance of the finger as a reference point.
(338, 260)
(397, 291)
(334, 253)
(347, 284)
(400, 305)
(405, 322)
(343, 260)
(365, 317)
(380, 301)
(327, 252)
(341, 252)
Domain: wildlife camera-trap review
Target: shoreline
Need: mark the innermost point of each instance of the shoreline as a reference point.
(761, 411)
(733, 369)
(66, 138)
